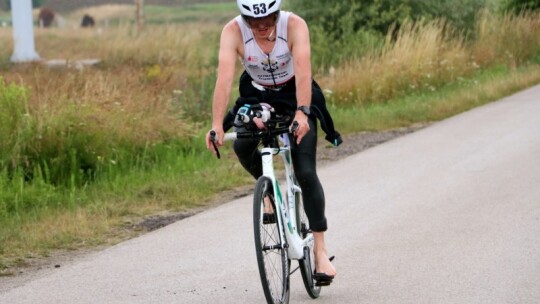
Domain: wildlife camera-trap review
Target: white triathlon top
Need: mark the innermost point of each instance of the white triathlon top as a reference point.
(271, 69)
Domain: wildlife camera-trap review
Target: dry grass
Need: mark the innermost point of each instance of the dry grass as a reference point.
(507, 40)
(422, 56)
(425, 56)
(132, 90)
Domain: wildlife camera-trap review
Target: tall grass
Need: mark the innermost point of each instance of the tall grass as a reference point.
(424, 56)
(509, 40)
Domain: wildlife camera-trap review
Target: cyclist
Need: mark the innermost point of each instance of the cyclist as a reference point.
(274, 48)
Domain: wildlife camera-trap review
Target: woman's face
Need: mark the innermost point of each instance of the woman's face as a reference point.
(262, 27)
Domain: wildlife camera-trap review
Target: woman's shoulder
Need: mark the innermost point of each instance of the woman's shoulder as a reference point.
(232, 26)
(295, 20)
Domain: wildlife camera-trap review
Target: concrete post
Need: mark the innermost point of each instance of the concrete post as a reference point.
(23, 31)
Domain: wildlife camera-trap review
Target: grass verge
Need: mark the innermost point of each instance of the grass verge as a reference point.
(181, 182)
(427, 106)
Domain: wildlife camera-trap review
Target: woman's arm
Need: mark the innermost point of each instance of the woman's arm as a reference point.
(228, 54)
(299, 43)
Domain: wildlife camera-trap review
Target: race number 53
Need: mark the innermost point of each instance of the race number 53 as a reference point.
(259, 9)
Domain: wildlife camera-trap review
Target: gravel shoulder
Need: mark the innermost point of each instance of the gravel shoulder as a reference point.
(38, 267)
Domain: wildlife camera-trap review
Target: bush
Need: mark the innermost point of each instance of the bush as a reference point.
(518, 6)
(380, 15)
(425, 56)
(338, 18)
(354, 28)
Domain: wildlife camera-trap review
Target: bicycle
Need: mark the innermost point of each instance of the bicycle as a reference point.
(287, 236)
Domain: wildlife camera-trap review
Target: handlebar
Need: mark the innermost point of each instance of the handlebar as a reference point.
(264, 135)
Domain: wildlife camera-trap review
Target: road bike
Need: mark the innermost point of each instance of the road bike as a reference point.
(284, 235)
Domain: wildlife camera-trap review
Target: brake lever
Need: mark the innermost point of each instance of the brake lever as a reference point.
(213, 140)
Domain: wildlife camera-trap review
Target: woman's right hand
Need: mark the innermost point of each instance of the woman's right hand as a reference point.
(217, 139)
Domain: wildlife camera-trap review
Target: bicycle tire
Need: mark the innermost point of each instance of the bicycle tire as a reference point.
(271, 251)
(308, 263)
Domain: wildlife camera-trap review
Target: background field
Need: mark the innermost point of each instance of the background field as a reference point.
(88, 152)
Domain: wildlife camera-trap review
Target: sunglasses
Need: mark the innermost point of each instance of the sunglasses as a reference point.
(263, 22)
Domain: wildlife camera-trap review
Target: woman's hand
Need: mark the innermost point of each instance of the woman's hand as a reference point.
(303, 126)
(218, 139)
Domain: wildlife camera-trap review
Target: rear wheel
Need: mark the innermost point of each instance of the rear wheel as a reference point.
(308, 263)
(270, 245)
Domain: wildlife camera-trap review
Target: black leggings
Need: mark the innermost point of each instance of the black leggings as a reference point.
(304, 163)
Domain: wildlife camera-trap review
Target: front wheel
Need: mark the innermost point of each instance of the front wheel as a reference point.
(270, 244)
(308, 263)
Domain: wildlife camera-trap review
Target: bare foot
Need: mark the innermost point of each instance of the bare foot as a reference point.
(322, 261)
(323, 264)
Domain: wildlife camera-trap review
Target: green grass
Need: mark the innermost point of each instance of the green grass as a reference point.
(188, 176)
(184, 177)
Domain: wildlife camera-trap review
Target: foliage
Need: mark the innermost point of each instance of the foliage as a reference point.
(328, 52)
(380, 15)
(424, 56)
(518, 6)
(355, 27)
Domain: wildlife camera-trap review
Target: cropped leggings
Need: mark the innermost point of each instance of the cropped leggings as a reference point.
(304, 164)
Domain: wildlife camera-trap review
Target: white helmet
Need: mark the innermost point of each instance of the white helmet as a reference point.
(258, 8)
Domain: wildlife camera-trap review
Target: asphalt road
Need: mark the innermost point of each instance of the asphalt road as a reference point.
(448, 214)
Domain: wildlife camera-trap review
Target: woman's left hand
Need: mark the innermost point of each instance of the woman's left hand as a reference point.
(303, 126)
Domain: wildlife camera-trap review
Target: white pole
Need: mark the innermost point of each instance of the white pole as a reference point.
(23, 31)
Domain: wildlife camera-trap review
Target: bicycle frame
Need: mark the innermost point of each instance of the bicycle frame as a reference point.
(287, 219)
(295, 244)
